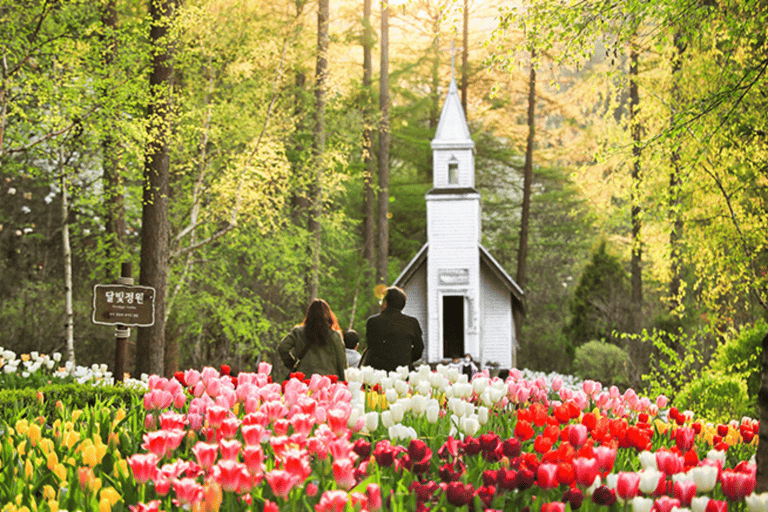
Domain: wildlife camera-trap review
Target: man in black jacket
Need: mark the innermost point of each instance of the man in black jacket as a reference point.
(393, 339)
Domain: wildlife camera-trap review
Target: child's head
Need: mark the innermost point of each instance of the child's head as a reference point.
(351, 339)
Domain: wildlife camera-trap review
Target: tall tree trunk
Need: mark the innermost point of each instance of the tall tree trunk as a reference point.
(522, 251)
(114, 196)
(675, 218)
(465, 57)
(318, 147)
(434, 93)
(369, 196)
(636, 213)
(761, 485)
(69, 315)
(155, 225)
(382, 260)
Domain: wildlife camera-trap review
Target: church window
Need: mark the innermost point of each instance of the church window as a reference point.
(453, 173)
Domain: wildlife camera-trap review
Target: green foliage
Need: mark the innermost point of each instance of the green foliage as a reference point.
(600, 304)
(602, 362)
(675, 359)
(32, 402)
(740, 356)
(716, 397)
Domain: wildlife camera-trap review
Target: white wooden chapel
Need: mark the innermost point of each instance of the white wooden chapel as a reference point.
(462, 297)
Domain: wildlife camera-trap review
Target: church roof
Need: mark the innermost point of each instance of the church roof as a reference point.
(421, 258)
(452, 129)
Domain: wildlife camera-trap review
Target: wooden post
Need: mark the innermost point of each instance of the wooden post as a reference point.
(122, 332)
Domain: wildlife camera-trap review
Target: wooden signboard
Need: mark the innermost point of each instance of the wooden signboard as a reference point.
(119, 304)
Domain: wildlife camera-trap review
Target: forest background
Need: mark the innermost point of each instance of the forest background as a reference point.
(620, 155)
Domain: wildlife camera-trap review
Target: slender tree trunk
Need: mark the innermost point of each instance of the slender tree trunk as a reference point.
(434, 93)
(761, 485)
(525, 214)
(676, 222)
(69, 315)
(155, 225)
(369, 195)
(382, 260)
(636, 213)
(114, 196)
(465, 57)
(318, 147)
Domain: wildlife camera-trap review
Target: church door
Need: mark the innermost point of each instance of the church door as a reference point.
(453, 326)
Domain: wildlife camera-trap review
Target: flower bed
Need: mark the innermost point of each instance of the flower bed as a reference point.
(405, 441)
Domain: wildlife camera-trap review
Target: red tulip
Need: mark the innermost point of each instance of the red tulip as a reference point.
(459, 494)
(450, 448)
(574, 497)
(423, 491)
(553, 507)
(542, 444)
(486, 494)
(373, 492)
(605, 457)
(722, 430)
(523, 430)
(385, 453)
(668, 462)
(506, 479)
(511, 448)
(577, 435)
(684, 438)
(716, 506)
(736, 486)
(566, 474)
(604, 496)
(362, 448)
(333, 501)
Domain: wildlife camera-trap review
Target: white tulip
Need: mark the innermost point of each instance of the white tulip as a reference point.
(435, 379)
(433, 413)
(470, 425)
(757, 502)
(640, 504)
(699, 503)
(716, 455)
(353, 374)
(369, 375)
(479, 384)
(705, 477)
(452, 374)
(647, 460)
(398, 411)
(482, 415)
(372, 421)
(419, 404)
(469, 408)
(386, 419)
(649, 480)
(401, 387)
(387, 383)
(391, 395)
(424, 388)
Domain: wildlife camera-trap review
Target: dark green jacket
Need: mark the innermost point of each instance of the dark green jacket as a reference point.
(328, 359)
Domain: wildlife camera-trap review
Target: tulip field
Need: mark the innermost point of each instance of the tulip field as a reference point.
(422, 440)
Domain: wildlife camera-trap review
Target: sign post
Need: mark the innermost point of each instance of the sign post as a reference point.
(123, 305)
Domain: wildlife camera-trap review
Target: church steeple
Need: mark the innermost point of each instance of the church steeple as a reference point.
(452, 146)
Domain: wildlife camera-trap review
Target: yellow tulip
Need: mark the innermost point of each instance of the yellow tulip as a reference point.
(70, 439)
(76, 414)
(22, 448)
(53, 505)
(121, 468)
(29, 469)
(25, 357)
(120, 415)
(34, 433)
(22, 426)
(46, 445)
(104, 505)
(52, 461)
(48, 493)
(111, 495)
(60, 471)
(89, 455)
(96, 485)
(101, 449)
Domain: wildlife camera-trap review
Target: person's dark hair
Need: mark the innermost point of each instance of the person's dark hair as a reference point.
(395, 298)
(351, 338)
(319, 322)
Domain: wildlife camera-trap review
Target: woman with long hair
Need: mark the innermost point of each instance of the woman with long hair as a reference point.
(316, 344)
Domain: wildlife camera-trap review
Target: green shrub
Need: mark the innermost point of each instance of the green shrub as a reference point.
(78, 396)
(603, 362)
(716, 397)
(742, 355)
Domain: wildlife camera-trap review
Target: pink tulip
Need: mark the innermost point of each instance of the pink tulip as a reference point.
(661, 401)
(716, 506)
(627, 485)
(605, 457)
(685, 491)
(344, 473)
(143, 466)
(230, 474)
(230, 448)
(228, 427)
(332, 501)
(296, 462)
(577, 435)
(280, 426)
(188, 491)
(156, 442)
(666, 504)
(546, 476)
(586, 471)
(253, 457)
(669, 463)
(152, 506)
(302, 423)
(373, 492)
(205, 454)
(254, 434)
(736, 486)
